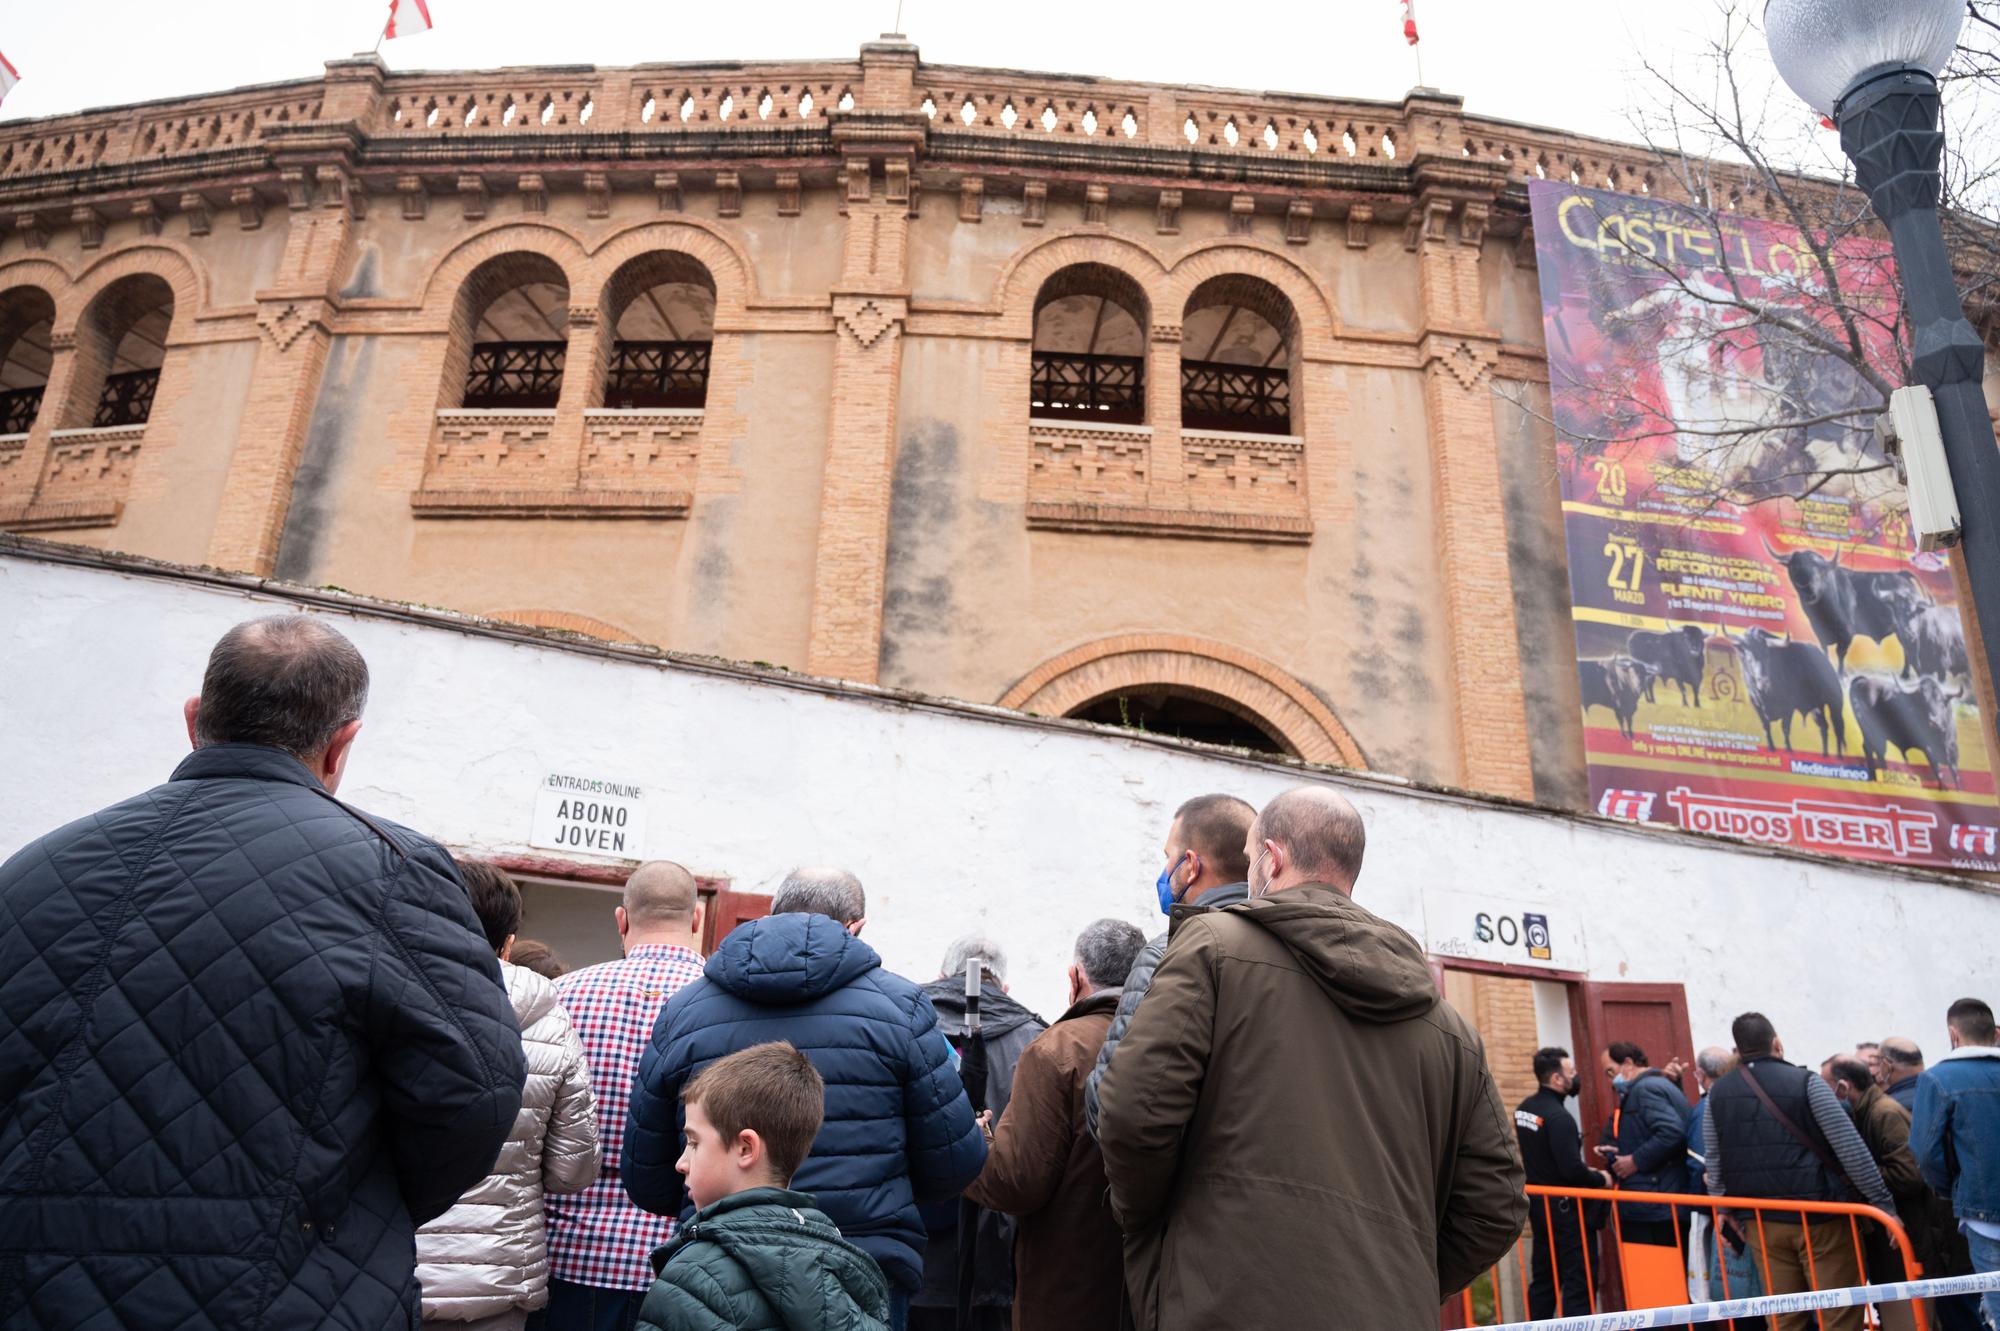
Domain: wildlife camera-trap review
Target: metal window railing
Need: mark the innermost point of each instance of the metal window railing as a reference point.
(18, 409)
(127, 398)
(1111, 389)
(523, 375)
(1252, 399)
(658, 374)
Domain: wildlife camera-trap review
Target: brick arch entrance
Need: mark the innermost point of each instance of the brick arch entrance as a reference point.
(1244, 683)
(563, 619)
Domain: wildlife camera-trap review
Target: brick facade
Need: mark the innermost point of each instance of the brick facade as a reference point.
(862, 488)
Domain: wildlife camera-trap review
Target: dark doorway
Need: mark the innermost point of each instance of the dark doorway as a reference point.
(1171, 712)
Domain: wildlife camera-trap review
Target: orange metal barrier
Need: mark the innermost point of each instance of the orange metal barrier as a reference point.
(1652, 1275)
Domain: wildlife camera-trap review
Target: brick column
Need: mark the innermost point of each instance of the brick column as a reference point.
(848, 567)
(585, 365)
(880, 142)
(1458, 353)
(1166, 469)
(293, 314)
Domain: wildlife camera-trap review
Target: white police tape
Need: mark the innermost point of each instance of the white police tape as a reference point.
(1764, 1305)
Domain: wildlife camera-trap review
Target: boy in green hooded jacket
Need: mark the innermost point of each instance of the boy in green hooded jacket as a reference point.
(757, 1256)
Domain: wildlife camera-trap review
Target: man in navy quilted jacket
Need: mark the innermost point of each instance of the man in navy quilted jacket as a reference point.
(898, 1129)
(250, 1037)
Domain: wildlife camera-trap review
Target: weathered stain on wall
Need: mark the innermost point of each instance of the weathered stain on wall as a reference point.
(344, 408)
(1535, 544)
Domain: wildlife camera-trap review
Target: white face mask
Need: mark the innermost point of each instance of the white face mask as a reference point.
(1259, 884)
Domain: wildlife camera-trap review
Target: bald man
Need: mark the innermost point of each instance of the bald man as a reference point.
(1278, 1034)
(600, 1244)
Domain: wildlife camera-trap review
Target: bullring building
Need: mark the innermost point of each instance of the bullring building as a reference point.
(1219, 413)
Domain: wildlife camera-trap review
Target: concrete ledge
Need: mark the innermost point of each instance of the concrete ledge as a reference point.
(550, 503)
(57, 517)
(1190, 524)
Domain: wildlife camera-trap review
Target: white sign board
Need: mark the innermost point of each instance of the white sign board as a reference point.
(1504, 928)
(582, 813)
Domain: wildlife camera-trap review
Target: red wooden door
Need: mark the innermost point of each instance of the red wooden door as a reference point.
(1652, 1016)
(723, 910)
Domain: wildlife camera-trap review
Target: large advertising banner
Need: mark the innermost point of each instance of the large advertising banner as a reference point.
(1761, 653)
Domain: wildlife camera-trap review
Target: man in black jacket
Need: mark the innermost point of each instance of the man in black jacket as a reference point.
(1207, 867)
(250, 1038)
(1005, 1030)
(1775, 1130)
(1552, 1150)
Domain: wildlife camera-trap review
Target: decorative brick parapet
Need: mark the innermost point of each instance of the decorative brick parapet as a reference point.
(1079, 462)
(14, 482)
(1229, 472)
(395, 122)
(640, 449)
(496, 463)
(83, 484)
(492, 450)
(1100, 477)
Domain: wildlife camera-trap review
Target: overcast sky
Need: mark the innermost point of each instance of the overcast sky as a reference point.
(1549, 62)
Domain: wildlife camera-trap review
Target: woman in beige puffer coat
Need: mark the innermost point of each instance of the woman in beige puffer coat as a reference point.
(485, 1262)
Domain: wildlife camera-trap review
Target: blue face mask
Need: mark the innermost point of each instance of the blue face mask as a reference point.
(1165, 887)
(1620, 1082)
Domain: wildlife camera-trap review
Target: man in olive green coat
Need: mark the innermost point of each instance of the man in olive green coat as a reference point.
(1298, 1131)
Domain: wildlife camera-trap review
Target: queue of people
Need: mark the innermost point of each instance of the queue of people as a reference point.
(270, 1060)
(1920, 1145)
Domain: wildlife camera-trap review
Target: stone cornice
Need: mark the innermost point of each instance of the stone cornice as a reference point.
(982, 121)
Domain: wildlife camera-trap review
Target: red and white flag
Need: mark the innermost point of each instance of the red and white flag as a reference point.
(9, 76)
(407, 18)
(1410, 21)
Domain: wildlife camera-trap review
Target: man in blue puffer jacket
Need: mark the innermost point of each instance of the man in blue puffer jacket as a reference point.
(898, 1128)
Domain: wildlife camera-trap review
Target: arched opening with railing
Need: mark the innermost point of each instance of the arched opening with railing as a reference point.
(1184, 713)
(27, 318)
(660, 307)
(121, 344)
(1168, 684)
(510, 336)
(1090, 347)
(1239, 351)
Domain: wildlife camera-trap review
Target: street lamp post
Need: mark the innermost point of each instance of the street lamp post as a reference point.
(1872, 66)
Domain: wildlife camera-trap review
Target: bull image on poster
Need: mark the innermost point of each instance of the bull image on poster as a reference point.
(1761, 653)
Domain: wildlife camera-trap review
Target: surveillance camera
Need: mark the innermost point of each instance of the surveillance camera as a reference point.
(1910, 435)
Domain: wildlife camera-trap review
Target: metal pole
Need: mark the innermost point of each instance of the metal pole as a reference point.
(1889, 128)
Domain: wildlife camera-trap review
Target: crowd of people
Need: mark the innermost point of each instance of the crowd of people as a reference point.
(269, 1060)
(1875, 1126)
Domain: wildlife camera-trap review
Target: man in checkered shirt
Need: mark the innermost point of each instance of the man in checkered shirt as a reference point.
(599, 1243)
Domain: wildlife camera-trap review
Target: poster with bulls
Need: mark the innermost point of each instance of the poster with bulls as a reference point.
(1761, 652)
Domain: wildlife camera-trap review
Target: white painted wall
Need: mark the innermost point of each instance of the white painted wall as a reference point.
(954, 817)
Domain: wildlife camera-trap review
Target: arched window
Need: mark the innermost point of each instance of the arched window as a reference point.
(1239, 345)
(1090, 346)
(120, 346)
(1185, 714)
(510, 335)
(661, 308)
(27, 315)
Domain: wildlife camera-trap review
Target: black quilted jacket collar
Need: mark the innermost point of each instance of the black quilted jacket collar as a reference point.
(255, 761)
